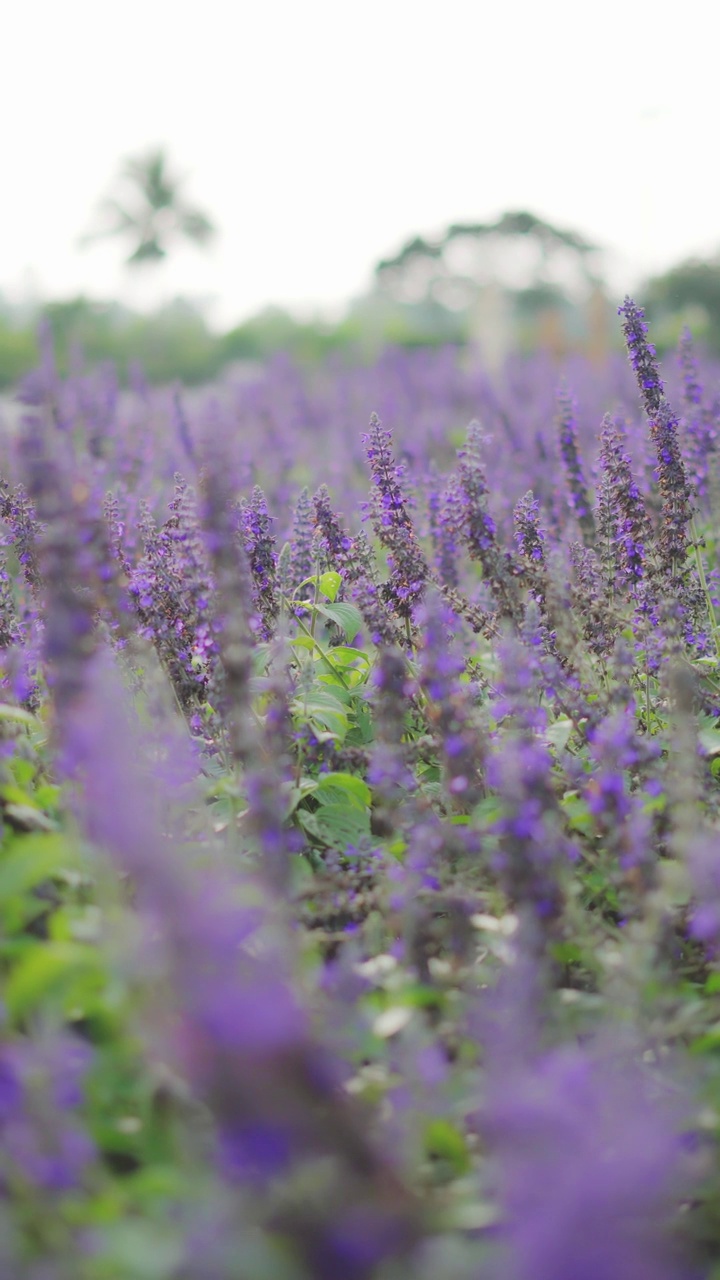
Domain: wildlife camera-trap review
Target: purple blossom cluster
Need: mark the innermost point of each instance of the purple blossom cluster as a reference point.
(392, 522)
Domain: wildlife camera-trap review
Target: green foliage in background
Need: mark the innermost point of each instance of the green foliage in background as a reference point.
(175, 341)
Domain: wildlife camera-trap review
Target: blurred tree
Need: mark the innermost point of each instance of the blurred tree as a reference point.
(171, 342)
(686, 294)
(149, 211)
(18, 352)
(519, 251)
(518, 281)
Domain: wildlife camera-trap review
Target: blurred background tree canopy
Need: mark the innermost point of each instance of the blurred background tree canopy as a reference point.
(687, 294)
(516, 283)
(148, 210)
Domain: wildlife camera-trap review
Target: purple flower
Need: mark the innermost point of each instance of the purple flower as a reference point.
(675, 490)
(449, 710)
(478, 526)
(626, 535)
(390, 514)
(446, 523)
(590, 1164)
(259, 544)
(42, 1087)
(569, 452)
(642, 355)
(302, 563)
(700, 426)
(530, 539)
(23, 530)
(703, 860)
(336, 540)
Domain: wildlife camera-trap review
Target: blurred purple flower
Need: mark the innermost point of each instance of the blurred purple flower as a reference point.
(591, 1164)
(570, 454)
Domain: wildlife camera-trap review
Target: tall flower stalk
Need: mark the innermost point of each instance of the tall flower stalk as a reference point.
(675, 489)
(570, 454)
(393, 525)
(478, 526)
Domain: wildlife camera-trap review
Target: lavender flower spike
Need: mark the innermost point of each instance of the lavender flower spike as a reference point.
(577, 487)
(642, 355)
(478, 526)
(675, 489)
(632, 539)
(530, 539)
(393, 525)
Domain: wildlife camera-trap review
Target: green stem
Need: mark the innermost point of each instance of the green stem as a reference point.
(328, 662)
(316, 593)
(408, 633)
(704, 584)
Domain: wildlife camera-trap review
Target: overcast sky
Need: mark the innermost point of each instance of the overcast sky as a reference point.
(320, 134)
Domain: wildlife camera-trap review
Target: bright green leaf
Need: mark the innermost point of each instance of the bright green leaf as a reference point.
(340, 825)
(347, 786)
(345, 616)
(28, 860)
(445, 1142)
(48, 972)
(329, 584)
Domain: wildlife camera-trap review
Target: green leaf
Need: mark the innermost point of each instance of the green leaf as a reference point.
(17, 714)
(340, 825)
(577, 812)
(567, 952)
(27, 818)
(709, 738)
(354, 664)
(308, 821)
(343, 655)
(558, 733)
(23, 770)
(28, 860)
(345, 616)
(48, 972)
(708, 1043)
(47, 795)
(487, 812)
(335, 681)
(334, 788)
(445, 1142)
(16, 795)
(305, 787)
(323, 708)
(329, 584)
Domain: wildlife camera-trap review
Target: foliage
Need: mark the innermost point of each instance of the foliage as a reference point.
(18, 352)
(688, 292)
(176, 343)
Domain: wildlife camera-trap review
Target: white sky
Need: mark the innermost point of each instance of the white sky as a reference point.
(320, 134)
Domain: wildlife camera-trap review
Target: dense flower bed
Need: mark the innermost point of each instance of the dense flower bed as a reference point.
(360, 862)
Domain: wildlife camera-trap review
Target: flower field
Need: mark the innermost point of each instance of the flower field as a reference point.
(360, 800)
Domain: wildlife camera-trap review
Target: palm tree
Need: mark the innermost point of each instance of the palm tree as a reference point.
(149, 211)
